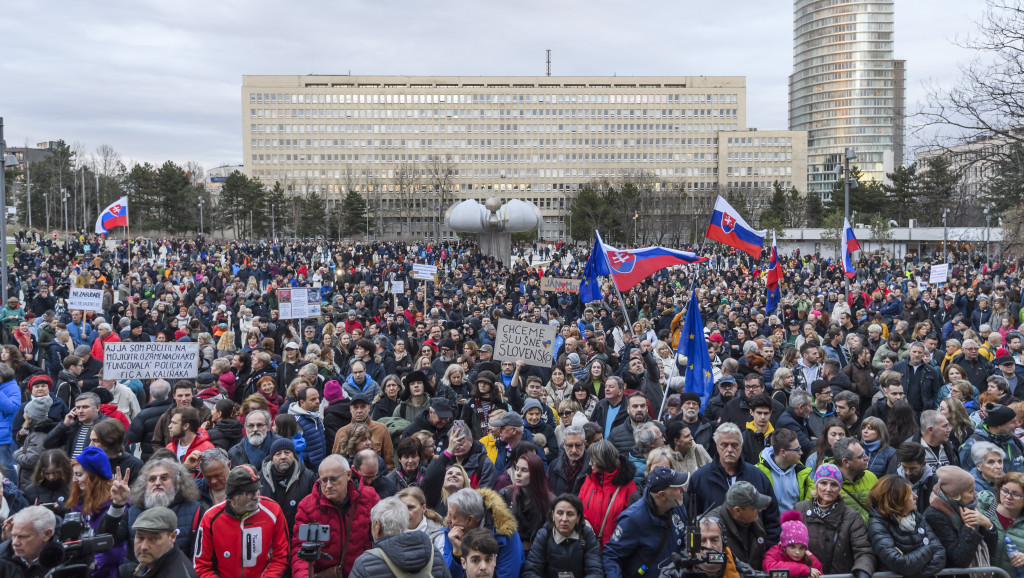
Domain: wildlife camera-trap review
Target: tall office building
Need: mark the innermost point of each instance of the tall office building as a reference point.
(846, 90)
(414, 145)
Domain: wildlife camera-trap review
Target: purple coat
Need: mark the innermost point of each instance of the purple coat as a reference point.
(107, 563)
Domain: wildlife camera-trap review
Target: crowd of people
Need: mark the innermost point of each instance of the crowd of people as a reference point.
(845, 434)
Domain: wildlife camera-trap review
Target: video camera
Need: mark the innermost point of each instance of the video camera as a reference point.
(73, 556)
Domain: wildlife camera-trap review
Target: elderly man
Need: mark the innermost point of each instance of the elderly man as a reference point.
(568, 471)
(469, 509)
(162, 482)
(372, 473)
(27, 532)
(124, 398)
(610, 411)
(639, 544)
(155, 532)
(379, 436)
(245, 536)
(974, 365)
(711, 482)
(396, 548)
(256, 444)
(285, 479)
(105, 335)
(335, 492)
(214, 465)
(795, 418)
(998, 428)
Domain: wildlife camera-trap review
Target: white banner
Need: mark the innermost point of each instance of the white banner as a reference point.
(427, 269)
(939, 273)
(124, 360)
(85, 299)
(398, 287)
(534, 343)
(298, 303)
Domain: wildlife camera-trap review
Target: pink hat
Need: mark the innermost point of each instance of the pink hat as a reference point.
(333, 391)
(793, 529)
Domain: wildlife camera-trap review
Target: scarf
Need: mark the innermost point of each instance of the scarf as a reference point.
(820, 512)
(872, 447)
(24, 342)
(483, 408)
(908, 523)
(256, 454)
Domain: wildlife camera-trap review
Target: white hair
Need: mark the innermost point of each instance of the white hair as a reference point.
(393, 516)
(41, 518)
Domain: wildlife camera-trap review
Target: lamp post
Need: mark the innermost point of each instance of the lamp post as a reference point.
(843, 170)
(988, 231)
(200, 216)
(65, 195)
(5, 161)
(636, 216)
(46, 200)
(945, 234)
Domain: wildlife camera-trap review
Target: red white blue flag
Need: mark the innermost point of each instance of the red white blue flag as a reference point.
(773, 277)
(729, 228)
(850, 244)
(628, 267)
(116, 215)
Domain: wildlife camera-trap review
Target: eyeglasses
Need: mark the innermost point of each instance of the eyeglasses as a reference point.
(255, 426)
(1011, 495)
(796, 449)
(162, 478)
(331, 480)
(566, 413)
(578, 446)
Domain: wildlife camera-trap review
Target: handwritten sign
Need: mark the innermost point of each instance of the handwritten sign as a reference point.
(558, 285)
(128, 360)
(85, 299)
(533, 343)
(939, 273)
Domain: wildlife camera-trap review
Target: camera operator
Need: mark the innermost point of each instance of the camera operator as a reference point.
(155, 532)
(649, 531)
(25, 534)
(712, 540)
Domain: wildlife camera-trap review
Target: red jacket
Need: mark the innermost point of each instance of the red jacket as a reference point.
(316, 509)
(201, 442)
(97, 345)
(256, 547)
(776, 559)
(110, 410)
(597, 492)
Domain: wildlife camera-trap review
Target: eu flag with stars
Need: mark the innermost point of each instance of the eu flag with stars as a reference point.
(597, 264)
(698, 377)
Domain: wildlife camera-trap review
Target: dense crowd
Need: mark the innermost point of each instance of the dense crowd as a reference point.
(893, 412)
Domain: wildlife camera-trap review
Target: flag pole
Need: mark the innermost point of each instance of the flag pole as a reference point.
(618, 294)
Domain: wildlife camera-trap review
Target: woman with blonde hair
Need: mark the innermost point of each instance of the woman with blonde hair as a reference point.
(226, 344)
(782, 384)
(357, 438)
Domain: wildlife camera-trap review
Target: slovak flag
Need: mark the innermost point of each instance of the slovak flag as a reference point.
(772, 278)
(729, 228)
(849, 245)
(628, 267)
(116, 215)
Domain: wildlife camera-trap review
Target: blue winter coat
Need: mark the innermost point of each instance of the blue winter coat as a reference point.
(638, 531)
(10, 401)
(710, 483)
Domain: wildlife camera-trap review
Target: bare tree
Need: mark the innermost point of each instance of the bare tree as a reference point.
(407, 193)
(440, 176)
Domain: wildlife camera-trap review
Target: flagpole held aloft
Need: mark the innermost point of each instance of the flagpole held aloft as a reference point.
(692, 344)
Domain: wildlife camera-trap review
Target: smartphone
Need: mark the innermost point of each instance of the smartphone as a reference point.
(461, 427)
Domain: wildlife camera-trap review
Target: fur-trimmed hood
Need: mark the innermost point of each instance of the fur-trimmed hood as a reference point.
(499, 516)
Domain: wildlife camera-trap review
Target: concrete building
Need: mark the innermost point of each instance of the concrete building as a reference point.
(216, 176)
(898, 241)
(413, 145)
(847, 90)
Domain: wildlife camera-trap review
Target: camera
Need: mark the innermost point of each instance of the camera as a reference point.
(77, 547)
(313, 537)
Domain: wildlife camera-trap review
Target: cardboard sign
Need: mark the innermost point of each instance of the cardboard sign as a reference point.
(939, 273)
(533, 343)
(298, 303)
(398, 287)
(123, 360)
(85, 299)
(559, 285)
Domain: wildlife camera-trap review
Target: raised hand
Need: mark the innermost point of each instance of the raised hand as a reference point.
(120, 491)
(192, 461)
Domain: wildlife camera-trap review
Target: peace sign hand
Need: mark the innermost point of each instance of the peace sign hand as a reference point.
(120, 491)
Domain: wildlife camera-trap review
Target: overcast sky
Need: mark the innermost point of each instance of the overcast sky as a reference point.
(161, 80)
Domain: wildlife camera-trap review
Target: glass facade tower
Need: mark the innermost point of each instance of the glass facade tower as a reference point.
(846, 89)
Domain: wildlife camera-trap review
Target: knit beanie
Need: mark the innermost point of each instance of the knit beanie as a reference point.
(333, 391)
(830, 472)
(281, 444)
(38, 407)
(997, 415)
(953, 481)
(95, 461)
(793, 529)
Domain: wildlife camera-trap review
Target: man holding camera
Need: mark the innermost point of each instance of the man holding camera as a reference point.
(245, 536)
(343, 505)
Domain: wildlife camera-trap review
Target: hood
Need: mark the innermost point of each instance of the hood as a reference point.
(409, 551)
(228, 426)
(500, 518)
(768, 462)
(294, 409)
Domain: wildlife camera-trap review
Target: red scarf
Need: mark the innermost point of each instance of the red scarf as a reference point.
(24, 342)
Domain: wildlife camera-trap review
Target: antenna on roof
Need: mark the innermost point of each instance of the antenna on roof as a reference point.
(549, 61)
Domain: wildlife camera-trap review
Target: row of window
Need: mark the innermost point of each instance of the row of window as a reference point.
(760, 157)
(273, 159)
(487, 128)
(758, 171)
(319, 98)
(760, 141)
(518, 143)
(499, 113)
(392, 175)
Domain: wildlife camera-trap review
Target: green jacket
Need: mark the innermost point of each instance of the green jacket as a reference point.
(803, 479)
(987, 505)
(12, 317)
(855, 494)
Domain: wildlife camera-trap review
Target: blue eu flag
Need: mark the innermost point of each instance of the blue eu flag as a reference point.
(698, 377)
(597, 264)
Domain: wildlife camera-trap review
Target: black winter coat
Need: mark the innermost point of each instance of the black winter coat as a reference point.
(142, 427)
(960, 541)
(226, 433)
(581, 557)
(557, 480)
(906, 553)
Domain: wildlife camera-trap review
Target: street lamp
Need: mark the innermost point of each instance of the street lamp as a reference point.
(5, 161)
(988, 230)
(200, 216)
(945, 234)
(64, 199)
(636, 216)
(46, 200)
(843, 170)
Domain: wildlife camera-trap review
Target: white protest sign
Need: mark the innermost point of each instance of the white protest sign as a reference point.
(421, 268)
(85, 299)
(533, 343)
(398, 287)
(559, 285)
(298, 303)
(939, 273)
(124, 360)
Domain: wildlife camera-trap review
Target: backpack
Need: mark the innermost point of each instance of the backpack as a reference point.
(424, 572)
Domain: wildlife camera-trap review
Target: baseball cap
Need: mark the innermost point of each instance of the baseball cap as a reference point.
(291, 345)
(745, 495)
(510, 418)
(662, 478)
(442, 407)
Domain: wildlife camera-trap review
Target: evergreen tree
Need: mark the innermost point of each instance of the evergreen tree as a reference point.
(353, 211)
(937, 185)
(814, 212)
(902, 192)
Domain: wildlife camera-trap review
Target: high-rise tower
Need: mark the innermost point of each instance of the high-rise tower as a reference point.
(846, 89)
